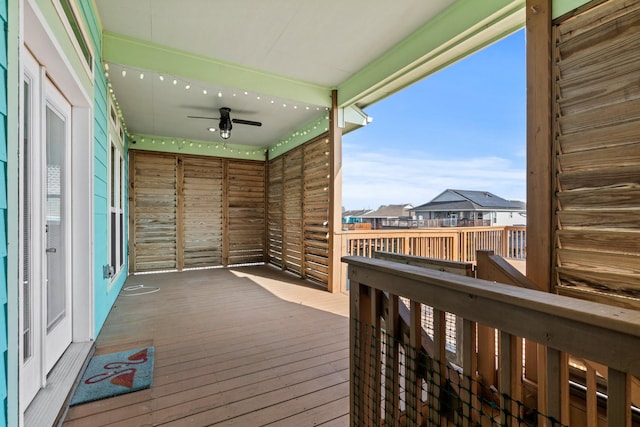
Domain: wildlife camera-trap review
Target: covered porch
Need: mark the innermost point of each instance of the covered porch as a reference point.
(241, 346)
(176, 189)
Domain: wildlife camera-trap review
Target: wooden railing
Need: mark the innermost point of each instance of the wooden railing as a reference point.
(391, 386)
(452, 244)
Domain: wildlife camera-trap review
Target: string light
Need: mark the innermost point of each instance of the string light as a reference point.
(294, 138)
(239, 150)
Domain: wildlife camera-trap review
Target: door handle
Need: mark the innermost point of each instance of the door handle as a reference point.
(50, 250)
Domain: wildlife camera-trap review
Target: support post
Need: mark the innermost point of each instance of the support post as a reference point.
(335, 196)
(539, 142)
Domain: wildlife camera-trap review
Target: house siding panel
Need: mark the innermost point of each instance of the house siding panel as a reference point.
(3, 212)
(105, 291)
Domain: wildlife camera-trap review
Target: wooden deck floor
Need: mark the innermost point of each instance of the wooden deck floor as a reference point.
(245, 347)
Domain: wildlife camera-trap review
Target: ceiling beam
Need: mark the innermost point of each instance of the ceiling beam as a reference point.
(141, 54)
(463, 28)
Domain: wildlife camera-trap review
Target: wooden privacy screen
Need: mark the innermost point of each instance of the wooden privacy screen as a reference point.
(298, 217)
(597, 154)
(191, 211)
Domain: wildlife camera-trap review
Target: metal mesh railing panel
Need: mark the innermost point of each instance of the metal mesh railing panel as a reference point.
(395, 384)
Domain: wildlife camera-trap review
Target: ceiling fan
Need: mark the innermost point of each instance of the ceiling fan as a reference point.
(225, 124)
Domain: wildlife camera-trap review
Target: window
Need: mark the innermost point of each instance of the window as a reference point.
(116, 211)
(74, 28)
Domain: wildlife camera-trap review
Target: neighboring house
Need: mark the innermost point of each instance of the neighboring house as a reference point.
(462, 207)
(386, 214)
(355, 216)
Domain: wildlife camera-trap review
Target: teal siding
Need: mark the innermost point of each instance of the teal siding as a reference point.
(3, 212)
(105, 295)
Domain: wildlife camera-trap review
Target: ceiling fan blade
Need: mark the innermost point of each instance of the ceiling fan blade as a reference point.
(246, 122)
(200, 117)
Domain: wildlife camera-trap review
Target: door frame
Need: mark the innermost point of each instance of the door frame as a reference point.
(40, 40)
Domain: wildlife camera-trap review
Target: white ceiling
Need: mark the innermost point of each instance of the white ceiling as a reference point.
(321, 43)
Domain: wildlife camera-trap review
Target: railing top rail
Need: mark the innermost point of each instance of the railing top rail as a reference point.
(613, 333)
(443, 230)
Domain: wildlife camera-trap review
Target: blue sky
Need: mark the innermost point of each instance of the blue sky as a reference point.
(462, 128)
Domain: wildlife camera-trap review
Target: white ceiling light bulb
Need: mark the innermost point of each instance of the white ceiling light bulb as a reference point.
(219, 94)
(124, 73)
(161, 78)
(175, 82)
(188, 86)
(211, 129)
(141, 76)
(204, 91)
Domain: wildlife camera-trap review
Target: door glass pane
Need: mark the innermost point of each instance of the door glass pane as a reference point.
(27, 335)
(56, 297)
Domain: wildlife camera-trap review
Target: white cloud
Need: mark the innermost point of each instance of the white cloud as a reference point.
(374, 179)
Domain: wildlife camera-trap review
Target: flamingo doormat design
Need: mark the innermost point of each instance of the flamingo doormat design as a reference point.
(116, 373)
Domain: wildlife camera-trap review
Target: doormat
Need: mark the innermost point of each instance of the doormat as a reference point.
(113, 374)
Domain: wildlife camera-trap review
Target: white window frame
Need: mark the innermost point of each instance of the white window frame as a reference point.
(83, 30)
(116, 235)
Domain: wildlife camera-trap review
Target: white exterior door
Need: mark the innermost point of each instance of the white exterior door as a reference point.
(45, 318)
(57, 283)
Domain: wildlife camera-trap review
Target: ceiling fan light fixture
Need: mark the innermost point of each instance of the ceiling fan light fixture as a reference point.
(225, 133)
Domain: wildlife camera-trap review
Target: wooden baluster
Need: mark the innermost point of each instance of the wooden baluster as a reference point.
(413, 379)
(392, 368)
(360, 322)
(467, 396)
(517, 393)
(542, 379)
(510, 377)
(557, 390)
(356, 382)
(592, 396)
(376, 356)
(487, 355)
(554, 388)
(505, 379)
(505, 242)
(619, 399)
(439, 381)
(565, 391)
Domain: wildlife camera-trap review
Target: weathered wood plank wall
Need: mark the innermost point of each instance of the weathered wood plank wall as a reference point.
(298, 219)
(191, 211)
(202, 207)
(275, 220)
(246, 204)
(597, 153)
(153, 211)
